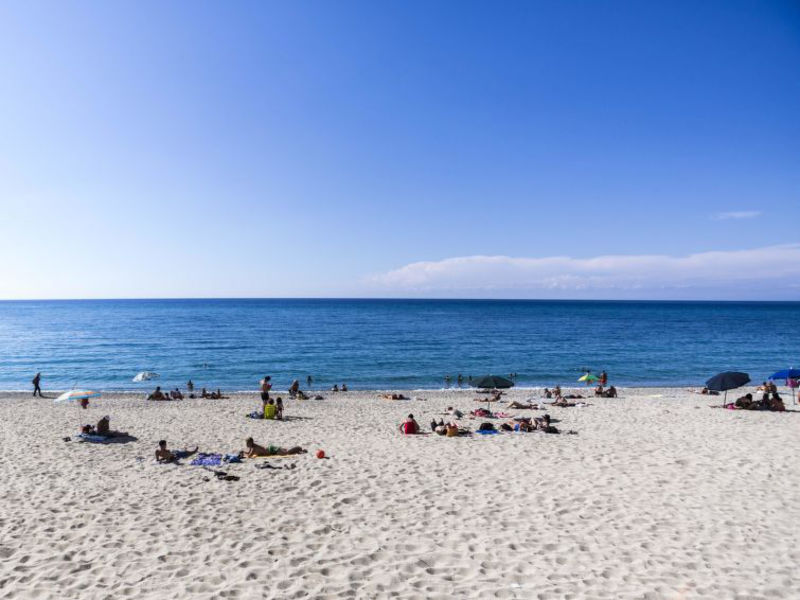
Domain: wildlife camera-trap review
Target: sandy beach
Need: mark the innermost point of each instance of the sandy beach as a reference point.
(657, 496)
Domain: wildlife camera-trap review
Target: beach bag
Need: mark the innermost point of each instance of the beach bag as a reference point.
(486, 427)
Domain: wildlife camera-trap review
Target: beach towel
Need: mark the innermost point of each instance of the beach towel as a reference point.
(487, 431)
(207, 460)
(94, 439)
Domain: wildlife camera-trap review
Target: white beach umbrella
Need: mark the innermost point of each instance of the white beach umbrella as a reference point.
(145, 376)
(77, 395)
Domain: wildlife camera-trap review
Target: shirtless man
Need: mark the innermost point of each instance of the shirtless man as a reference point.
(165, 455)
(103, 429)
(254, 450)
(157, 395)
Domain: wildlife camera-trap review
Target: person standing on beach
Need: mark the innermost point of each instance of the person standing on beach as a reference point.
(266, 386)
(190, 386)
(447, 381)
(603, 378)
(309, 380)
(36, 380)
(460, 379)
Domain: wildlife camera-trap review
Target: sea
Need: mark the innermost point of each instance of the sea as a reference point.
(388, 344)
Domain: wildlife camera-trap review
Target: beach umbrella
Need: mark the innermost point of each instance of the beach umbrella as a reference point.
(727, 380)
(787, 374)
(145, 376)
(488, 382)
(77, 395)
(588, 378)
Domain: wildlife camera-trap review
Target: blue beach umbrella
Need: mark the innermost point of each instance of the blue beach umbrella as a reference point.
(787, 374)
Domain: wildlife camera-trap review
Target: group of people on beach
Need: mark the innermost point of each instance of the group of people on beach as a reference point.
(769, 401)
(252, 450)
(176, 394)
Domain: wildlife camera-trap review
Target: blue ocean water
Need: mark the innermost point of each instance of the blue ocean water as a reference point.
(381, 344)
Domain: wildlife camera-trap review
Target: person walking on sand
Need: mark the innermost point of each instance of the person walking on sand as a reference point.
(36, 380)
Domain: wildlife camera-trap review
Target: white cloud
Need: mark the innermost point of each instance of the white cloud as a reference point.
(737, 214)
(769, 272)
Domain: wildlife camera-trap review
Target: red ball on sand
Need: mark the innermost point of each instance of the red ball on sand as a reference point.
(320, 453)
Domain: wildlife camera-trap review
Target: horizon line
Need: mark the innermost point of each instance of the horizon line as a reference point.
(391, 298)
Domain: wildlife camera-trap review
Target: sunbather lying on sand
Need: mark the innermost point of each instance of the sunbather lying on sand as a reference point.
(165, 455)
(394, 397)
(448, 429)
(255, 450)
(528, 425)
(521, 406)
(481, 412)
(454, 412)
(705, 392)
(562, 402)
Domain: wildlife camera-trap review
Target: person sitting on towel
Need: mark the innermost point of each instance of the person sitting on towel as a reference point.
(165, 455)
(102, 429)
(255, 450)
(776, 403)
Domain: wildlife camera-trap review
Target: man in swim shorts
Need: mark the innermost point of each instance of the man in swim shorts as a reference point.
(256, 450)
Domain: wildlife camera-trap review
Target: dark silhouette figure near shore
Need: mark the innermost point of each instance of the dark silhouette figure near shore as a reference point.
(36, 380)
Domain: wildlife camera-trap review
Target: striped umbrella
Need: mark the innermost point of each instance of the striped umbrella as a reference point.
(77, 395)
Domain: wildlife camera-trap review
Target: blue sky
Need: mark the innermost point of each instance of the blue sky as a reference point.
(515, 149)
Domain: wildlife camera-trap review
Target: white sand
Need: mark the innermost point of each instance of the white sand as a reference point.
(658, 496)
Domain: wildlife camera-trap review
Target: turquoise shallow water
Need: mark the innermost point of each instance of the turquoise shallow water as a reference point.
(401, 344)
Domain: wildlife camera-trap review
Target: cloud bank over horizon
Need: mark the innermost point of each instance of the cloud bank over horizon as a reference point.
(768, 273)
(737, 215)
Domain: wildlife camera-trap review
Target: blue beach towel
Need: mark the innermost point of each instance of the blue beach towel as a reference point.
(94, 439)
(207, 460)
(486, 431)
